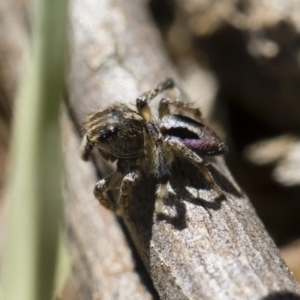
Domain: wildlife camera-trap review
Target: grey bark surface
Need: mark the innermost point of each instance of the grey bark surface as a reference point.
(251, 47)
(202, 248)
(102, 262)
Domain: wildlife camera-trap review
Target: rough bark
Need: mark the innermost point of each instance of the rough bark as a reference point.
(251, 46)
(202, 248)
(102, 262)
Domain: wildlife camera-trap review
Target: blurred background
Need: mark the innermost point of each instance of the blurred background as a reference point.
(241, 61)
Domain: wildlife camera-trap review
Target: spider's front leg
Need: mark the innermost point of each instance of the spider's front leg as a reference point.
(104, 185)
(109, 183)
(126, 188)
(181, 150)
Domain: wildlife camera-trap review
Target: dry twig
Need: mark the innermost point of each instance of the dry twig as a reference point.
(206, 249)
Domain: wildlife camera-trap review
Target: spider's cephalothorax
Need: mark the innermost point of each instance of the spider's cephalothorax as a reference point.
(137, 141)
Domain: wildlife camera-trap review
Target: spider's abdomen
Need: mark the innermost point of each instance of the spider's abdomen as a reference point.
(194, 135)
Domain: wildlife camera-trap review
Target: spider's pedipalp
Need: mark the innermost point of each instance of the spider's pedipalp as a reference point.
(111, 182)
(100, 190)
(126, 187)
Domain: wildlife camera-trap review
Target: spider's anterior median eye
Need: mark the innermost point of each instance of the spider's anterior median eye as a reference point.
(107, 133)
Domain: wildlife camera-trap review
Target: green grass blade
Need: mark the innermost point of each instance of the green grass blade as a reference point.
(35, 179)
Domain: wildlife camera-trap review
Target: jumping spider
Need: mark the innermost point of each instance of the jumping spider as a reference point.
(138, 141)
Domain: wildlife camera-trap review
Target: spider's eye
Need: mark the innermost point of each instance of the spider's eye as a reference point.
(106, 134)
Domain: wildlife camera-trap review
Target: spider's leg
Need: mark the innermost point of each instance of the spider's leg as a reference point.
(161, 166)
(181, 150)
(143, 100)
(101, 187)
(163, 173)
(164, 107)
(111, 182)
(85, 148)
(151, 94)
(163, 190)
(126, 187)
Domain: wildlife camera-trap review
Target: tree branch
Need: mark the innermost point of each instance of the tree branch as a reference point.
(203, 248)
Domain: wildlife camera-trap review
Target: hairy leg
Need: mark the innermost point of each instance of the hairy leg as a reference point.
(164, 107)
(151, 94)
(104, 185)
(109, 183)
(162, 169)
(183, 151)
(162, 192)
(143, 100)
(126, 188)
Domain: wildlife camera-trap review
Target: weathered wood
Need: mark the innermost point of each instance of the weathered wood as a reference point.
(102, 262)
(202, 248)
(250, 47)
